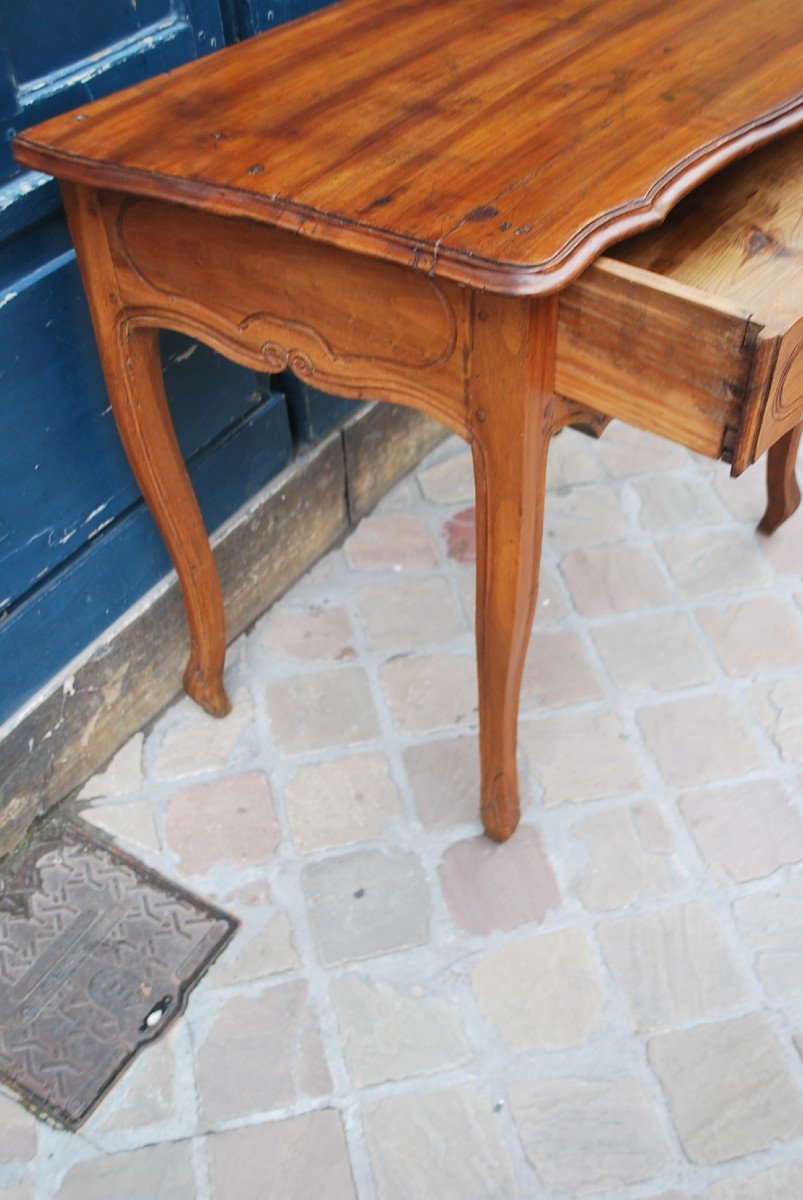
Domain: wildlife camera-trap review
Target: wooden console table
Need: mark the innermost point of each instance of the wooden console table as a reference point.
(388, 198)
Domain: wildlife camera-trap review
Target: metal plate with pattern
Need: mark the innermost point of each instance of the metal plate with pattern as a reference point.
(97, 956)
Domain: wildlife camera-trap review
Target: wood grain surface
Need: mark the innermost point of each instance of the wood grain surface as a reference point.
(500, 143)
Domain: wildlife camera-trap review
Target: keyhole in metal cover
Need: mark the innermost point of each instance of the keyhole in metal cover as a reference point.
(155, 1015)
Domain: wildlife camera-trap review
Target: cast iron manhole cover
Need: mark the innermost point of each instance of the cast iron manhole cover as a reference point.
(97, 956)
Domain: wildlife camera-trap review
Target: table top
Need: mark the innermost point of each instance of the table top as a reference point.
(500, 143)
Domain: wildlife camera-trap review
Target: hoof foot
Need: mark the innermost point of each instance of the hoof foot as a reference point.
(210, 694)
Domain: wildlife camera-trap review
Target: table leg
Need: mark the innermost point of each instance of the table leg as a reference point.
(137, 394)
(783, 492)
(513, 366)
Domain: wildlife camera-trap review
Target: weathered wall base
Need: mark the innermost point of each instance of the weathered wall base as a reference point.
(124, 680)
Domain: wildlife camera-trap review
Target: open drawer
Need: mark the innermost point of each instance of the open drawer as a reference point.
(694, 330)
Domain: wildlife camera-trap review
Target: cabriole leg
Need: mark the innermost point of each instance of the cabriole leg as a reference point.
(783, 492)
(511, 401)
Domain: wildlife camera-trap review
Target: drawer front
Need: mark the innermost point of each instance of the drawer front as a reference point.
(657, 354)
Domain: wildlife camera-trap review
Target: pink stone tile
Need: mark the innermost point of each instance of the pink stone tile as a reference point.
(229, 820)
(491, 887)
(628, 451)
(315, 633)
(698, 739)
(460, 532)
(445, 778)
(745, 831)
(262, 1052)
(755, 635)
(394, 541)
(557, 672)
(611, 579)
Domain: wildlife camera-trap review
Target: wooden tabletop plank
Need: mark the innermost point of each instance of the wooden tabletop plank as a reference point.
(502, 143)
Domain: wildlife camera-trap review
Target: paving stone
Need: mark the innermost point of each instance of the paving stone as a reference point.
(159, 1172)
(408, 614)
(698, 739)
(271, 951)
(122, 777)
(673, 965)
(627, 451)
(580, 756)
(299, 1159)
(582, 517)
(400, 498)
(713, 562)
(779, 1183)
(756, 635)
(572, 460)
(389, 1035)
(586, 1136)
(450, 481)
(132, 823)
(397, 541)
(745, 497)
(784, 550)
(612, 579)
(673, 501)
(779, 709)
(657, 650)
(262, 1052)
(228, 820)
(366, 903)
(744, 831)
(557, 671)
(445, 780)
(17, 1191)
(543, 992)
(311, 634)
(729, 1090)
(340, 802)
(434, 691)
(144, 1097)
(625, 848)
(18, 1141)
(443, 1144)
(460, 536)
(328, 708)
(490, 887)
(196, 743)
(772, 925)
(673, 1195)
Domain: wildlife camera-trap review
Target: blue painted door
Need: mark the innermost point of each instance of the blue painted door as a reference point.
(77, 547)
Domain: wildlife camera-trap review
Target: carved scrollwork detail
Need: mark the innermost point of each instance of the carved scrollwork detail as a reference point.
(278, 358)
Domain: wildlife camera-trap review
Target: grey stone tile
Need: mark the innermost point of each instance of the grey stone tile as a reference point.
(366, 903)
(729, 1089)
(321, 710)
(444, 1144)
(772, 925)
(341, 802)
(543, 992)
(626, 848)
(745, 831)
(159, 1172)
(262, 1052)
(673, 965)
(297, 1159)
(445, 778)
(388, 1034)
(699, 739)
(19, 1141)
(778, 1183)
(580, 756)
(585, 1136)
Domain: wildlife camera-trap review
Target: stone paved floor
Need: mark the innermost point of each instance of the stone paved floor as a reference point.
(611, 1003)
